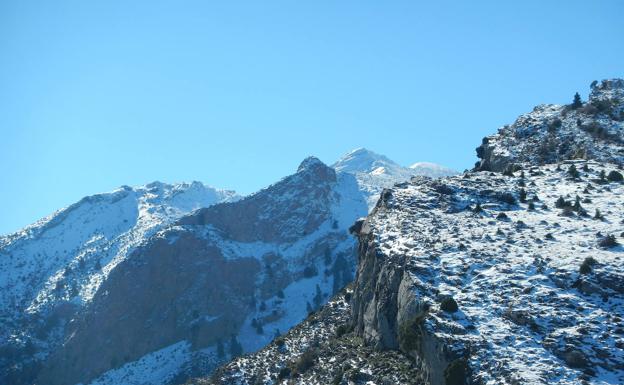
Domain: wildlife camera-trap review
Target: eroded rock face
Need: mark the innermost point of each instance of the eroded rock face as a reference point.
(552, 133)
(475, 297)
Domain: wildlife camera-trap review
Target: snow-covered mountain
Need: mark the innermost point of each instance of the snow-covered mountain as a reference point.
(374, 172)
(51, 269)
(485, 278)
(479, 279)
(232, 274)
(551, 132)
(106, 254)
(432, 170)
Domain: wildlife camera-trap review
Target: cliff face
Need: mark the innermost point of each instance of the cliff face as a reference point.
(493, 279)
(552, 133)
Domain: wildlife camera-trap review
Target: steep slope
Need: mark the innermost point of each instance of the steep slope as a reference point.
(320, 350)
(233, 275)
(551, 133)
(479, 279)
(51, 269)
(374, 172)
(493, 279)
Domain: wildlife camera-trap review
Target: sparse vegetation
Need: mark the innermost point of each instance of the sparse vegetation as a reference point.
(448, 304)
(586, 266)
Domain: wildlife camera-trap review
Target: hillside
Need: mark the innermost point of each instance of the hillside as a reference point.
(50, 270)
(478, 284)
(552, 133)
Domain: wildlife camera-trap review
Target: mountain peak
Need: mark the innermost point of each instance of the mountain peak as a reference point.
(309, 163)
(363, 160)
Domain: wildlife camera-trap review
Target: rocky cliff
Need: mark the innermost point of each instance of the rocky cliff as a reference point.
(485, 278)
(550, 133)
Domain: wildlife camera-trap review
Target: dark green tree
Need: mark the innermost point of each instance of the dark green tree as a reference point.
(576, 103)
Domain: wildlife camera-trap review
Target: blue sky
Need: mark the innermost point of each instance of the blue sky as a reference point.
(97, 94)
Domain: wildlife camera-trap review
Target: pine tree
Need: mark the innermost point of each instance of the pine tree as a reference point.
(523, 195)
(577, 103)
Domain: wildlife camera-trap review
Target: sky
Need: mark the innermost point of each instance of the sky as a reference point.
(99, 94)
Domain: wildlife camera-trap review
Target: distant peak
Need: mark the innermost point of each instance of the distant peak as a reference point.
(363, 160)
(309, 163)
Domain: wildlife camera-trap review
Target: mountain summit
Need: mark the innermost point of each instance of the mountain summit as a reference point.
(552, 133)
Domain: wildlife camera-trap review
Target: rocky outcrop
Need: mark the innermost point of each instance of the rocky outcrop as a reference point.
(480, 277)
(320, 350)
(552, 133)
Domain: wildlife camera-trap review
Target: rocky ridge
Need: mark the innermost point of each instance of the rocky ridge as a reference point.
(552, 133)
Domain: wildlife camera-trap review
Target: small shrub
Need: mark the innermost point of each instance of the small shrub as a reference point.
(531, 206)
(506, 198)
(608, 241)
(283, 373)
(306, 361)
(561, 203)
(456, 373)
(586, 266)
(477, 209)
(598, 215)
(448, 304)
(502, 216)
(615, 176)
(522, 196)
(573, 172)
(342, 330)
(410, 333)
(554, 124)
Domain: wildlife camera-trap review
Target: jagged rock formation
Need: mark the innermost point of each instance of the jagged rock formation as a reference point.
(50, 270)
(321, 350)
(493, 279)
(551, 133)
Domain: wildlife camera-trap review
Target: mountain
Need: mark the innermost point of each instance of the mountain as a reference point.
(52, 269)
(484, 278)
(432, 170)
(375, 172)
(552, 133)
(114, 287)
(232, 274)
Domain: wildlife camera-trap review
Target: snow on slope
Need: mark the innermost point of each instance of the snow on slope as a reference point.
(552, 133)
(64, 257)
(431, 170)
(540, 293)
(374, 172)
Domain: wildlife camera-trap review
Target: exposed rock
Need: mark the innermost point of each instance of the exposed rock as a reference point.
(553, 133)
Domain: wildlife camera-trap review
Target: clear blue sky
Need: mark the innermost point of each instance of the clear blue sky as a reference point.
(97, 94)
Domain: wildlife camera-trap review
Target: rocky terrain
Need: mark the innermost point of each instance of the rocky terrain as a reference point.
(478, 279)
(551, 133)
(321, 350)
(374, 172)
(154, 284)
(511, 278)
